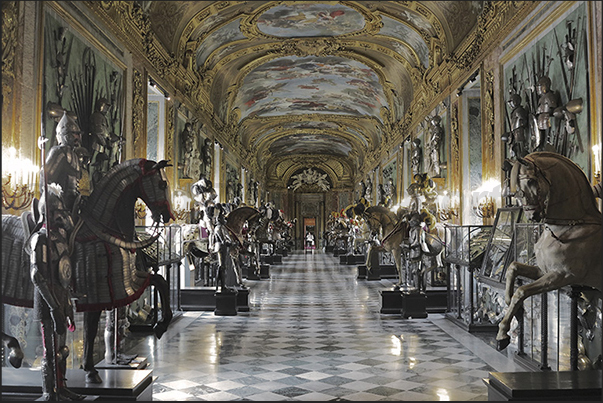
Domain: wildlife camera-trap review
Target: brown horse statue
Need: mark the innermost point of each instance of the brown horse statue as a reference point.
(555, 191)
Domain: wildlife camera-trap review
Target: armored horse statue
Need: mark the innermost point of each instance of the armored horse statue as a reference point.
(553, 190)
(108, 272)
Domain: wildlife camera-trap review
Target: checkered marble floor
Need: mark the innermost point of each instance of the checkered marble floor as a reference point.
(314, 333)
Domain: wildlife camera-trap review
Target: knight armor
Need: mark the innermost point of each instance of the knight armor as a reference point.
(63, 163)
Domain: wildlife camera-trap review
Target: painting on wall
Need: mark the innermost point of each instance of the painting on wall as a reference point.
(288, 85)
(310, 19)
(311, 144)
(552, 71)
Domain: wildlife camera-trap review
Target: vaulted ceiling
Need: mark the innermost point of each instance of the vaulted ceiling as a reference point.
(310, 84)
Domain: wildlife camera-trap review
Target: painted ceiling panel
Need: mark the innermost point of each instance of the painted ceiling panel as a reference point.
(310, 19)
(228, 33)
(404, 33)
(304, 143)
(299, 85)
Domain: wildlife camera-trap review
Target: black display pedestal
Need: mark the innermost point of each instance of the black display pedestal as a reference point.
(136, 363)
(351, 259)
(198, 298)
(118, 384)
(391, 301)
(361, 272)
(414, 304)
(544, 386)
(226, 303)
(243, 300)
(373, 275)
(437, 300)
(264, 271)
(251, 275)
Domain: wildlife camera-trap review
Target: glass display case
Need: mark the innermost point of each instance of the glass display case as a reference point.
(499, 250)
(465, 248)
(543, 335)
(163, 257)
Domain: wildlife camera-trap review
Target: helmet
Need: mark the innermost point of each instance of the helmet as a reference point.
(68, 131)
(515, 99)
(58, 215)
(102, 101)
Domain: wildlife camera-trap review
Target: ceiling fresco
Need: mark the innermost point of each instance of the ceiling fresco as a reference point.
(228, 33)
(299, 85)
(311, 144)
(303, 19)
(405, 34)
(326, 83)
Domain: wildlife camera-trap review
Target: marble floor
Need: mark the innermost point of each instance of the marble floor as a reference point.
(314, 333)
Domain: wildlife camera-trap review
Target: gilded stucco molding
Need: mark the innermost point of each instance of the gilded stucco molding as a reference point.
(169, 136)
(455, 150)
(9, 37)
(138, 113)
(372, 22)
(488, 120)
(279, 172)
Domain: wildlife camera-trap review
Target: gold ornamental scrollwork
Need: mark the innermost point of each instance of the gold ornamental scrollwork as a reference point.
(455, 156)
(9, 37)
(138, 113)
(488, 114)
(169, 137)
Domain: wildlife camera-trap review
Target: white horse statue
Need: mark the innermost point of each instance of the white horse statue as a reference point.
(554, 190)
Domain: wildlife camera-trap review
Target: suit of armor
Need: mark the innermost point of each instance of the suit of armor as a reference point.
(63, 163)
(547, 103)
(51, 275)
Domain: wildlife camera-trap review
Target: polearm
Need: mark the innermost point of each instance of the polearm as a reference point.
(42, 144)
(567, 90)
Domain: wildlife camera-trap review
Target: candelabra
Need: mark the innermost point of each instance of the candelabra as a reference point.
(16, 197)
(486, 208)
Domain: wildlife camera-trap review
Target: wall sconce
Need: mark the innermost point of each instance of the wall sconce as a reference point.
(141, 209)
(20, 174)
(181, 205)
(485, 208)
(597, 157)
(447, 207)
(483, 199)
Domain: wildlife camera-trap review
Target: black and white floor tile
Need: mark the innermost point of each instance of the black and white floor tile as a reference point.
(314, 333)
